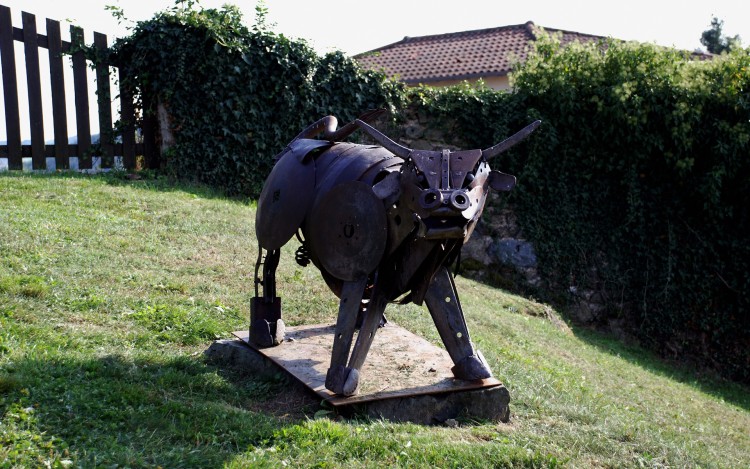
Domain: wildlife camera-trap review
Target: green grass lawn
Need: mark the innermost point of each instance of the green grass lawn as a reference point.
(111, 290)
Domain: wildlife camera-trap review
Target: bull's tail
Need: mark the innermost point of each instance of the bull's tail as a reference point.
(327, 125)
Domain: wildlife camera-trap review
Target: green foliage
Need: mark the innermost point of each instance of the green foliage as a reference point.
(480, 115)
(638, 188)
(715, 41)
(236, 96)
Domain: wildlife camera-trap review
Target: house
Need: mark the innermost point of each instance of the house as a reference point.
(447, 59)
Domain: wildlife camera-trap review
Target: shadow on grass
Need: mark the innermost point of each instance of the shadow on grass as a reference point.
(159, 183)
(683, 372)
(116, 411)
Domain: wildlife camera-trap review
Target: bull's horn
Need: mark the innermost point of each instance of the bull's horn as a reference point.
(510, 141)
(387, 143)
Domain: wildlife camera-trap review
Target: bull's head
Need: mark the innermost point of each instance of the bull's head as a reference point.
(446, 189)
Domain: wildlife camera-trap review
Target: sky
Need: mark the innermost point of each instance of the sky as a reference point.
(355, 27)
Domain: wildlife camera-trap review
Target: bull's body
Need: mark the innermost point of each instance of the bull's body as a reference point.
(380, 228)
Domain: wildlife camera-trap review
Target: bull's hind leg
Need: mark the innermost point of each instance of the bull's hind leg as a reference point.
(266, 326)
(442, 301)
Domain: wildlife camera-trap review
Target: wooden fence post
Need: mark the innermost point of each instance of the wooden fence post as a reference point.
(80, 86)
(57, 80)
(36, 113)
(104, 100)
(10, 89)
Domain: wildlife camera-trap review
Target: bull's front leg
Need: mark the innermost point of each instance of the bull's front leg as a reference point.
(343, 379)
(340, 378)
(442, 301)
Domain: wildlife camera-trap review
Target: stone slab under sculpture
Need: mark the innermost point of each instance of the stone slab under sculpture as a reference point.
(382, 223)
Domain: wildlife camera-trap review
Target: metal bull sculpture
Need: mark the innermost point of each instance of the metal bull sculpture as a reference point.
(382, 223)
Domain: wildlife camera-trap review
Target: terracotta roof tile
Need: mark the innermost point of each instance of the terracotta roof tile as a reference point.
(461, 55)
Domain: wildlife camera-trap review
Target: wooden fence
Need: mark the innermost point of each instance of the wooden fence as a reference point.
(120, 142)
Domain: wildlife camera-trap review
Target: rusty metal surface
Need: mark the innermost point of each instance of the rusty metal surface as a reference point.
(393, 147)
(501, 182)
(280, 211)
(401, 364)
(351, 242)
(352, 163)
(381, 223)
(302, 148)
(462, 164)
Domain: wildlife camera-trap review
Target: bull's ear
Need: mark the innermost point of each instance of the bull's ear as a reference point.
(389, 188)
(501, 181)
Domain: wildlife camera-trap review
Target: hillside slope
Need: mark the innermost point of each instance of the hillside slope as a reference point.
(110, 291)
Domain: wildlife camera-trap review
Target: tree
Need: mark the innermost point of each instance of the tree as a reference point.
(716, 42)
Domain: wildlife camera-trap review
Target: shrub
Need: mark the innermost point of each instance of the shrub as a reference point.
(236, 96)
(638, 188)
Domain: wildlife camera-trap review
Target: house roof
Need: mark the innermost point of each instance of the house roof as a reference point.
(458, 56)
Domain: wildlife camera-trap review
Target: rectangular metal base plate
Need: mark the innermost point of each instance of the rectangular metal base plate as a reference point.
(399, 364)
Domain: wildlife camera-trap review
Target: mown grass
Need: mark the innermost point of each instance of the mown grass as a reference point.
(110, 291)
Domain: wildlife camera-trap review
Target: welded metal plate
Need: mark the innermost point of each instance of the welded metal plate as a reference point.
(400, 364)
(348, 231)
(286, 196)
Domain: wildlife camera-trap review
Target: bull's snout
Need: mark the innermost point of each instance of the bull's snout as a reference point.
(449, 201)
(460, 200)
(430, 199)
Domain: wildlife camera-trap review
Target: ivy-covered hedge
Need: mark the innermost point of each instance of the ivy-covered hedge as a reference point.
(638, 189)
(237, 95)
(635, 190)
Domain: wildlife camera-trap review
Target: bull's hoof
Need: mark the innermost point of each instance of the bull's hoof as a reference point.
(264, 334)
(342, 380)
(472, 368)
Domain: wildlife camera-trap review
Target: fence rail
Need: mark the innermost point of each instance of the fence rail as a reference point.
(84, 152)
